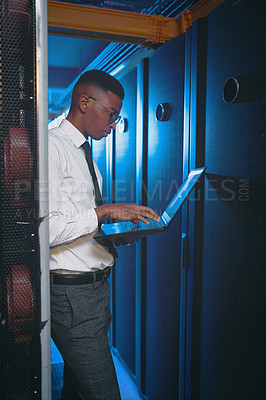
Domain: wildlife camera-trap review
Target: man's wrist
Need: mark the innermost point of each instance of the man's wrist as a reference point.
(101, 212)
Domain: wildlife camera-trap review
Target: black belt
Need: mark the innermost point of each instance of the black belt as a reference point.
(80, 279)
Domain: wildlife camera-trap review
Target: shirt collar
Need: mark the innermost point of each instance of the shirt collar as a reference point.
(76, 137)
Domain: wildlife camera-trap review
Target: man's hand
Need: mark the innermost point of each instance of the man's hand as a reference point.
(126, 212)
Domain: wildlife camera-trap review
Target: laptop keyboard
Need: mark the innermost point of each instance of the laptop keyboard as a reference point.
(152, 224)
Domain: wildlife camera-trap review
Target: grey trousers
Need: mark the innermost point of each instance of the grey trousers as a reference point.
(80, 322)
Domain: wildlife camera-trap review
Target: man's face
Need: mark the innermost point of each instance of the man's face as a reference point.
(102, 108)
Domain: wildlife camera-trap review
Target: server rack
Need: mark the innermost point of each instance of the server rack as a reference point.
(22, 212)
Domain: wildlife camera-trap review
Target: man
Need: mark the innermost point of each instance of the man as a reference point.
(80, 297)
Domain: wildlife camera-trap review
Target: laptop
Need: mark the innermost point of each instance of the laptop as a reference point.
(129, 230)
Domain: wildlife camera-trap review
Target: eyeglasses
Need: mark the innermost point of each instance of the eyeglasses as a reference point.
(113, 115)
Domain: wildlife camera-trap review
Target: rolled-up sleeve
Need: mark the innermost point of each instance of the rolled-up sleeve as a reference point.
(65, 225)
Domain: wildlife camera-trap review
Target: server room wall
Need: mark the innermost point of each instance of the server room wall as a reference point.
(226, 341)
(229, 340)
(125, 192)
(164, 170)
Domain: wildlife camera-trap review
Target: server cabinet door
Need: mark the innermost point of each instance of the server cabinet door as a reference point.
(20, 323)
(125, 192)
(165, 167)
(231, 337)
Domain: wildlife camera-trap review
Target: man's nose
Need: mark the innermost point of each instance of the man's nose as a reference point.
(112, 125)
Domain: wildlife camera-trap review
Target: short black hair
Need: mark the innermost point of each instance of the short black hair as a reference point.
(103, 80)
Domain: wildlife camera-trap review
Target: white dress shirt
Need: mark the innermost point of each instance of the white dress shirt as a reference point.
(72, 218)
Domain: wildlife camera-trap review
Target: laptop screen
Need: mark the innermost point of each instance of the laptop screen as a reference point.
(179, 198)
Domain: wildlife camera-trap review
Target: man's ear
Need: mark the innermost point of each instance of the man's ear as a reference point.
(83, 103)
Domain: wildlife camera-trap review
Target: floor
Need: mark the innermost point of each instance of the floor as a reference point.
(128, 388)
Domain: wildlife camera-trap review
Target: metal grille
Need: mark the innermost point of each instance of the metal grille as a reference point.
(143, 6)
(20, 269)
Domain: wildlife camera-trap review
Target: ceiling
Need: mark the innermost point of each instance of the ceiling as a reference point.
(69, 56)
